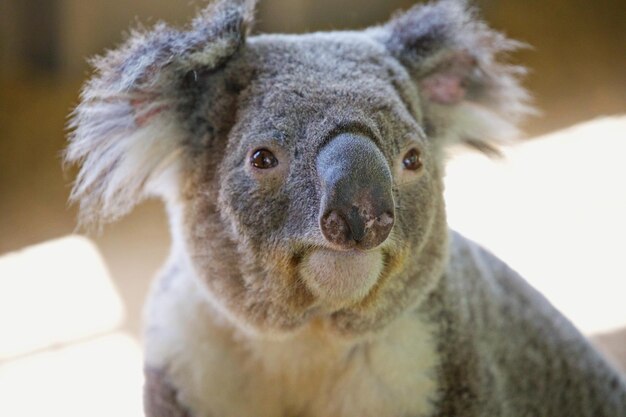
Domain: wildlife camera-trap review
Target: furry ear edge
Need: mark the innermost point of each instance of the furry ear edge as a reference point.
(125, 134)
(469, 93)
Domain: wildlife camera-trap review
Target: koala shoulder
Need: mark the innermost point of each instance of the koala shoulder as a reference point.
(507, 347)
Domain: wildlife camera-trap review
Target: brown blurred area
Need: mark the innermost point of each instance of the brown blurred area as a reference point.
(577, 72)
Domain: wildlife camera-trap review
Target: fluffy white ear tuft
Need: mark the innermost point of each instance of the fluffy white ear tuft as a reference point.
(127, 133)
(468, 93)
(121, 167)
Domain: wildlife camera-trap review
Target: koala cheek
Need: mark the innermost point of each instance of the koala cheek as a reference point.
(268, 183)
(259, 211)
(415, 201)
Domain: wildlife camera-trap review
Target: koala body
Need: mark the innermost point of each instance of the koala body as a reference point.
(312, 272)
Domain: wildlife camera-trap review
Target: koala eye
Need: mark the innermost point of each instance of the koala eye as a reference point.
(263, 159)
(412, 160)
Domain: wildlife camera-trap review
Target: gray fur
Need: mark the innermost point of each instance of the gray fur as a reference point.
(511, 352)
(160, 398)
(428, 78)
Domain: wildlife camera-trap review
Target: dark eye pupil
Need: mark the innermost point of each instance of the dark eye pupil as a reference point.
(412, 160)
(263, 159)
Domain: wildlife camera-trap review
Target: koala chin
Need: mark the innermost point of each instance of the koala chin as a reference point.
(341, 278)
(312, 272)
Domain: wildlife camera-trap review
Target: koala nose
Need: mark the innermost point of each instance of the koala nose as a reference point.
(357, 210)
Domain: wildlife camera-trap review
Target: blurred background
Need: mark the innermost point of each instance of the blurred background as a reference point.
(70, 307)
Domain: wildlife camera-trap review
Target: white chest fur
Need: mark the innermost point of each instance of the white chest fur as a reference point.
(221, 372)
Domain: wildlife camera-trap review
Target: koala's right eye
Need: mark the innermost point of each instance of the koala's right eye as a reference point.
(263, 159)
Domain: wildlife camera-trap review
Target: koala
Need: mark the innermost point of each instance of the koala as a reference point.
(312, 272)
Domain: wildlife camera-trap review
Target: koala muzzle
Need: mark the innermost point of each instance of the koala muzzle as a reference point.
(357, 209)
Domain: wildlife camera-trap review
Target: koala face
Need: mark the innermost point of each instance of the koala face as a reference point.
(326, 187)
(304, 173)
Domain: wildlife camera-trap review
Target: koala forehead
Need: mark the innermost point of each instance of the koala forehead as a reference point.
(317, 84)
(342, 54)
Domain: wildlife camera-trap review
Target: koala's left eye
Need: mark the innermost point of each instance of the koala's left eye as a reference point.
(263, 159)
(412, 160)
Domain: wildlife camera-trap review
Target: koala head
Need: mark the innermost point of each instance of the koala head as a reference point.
(302, 173)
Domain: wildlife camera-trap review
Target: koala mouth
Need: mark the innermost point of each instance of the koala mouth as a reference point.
(340, 278)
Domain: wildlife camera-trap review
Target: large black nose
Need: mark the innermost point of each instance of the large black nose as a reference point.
(357, 209)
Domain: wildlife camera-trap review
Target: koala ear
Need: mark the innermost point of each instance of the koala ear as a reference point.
(468, 95)
(126, 133)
